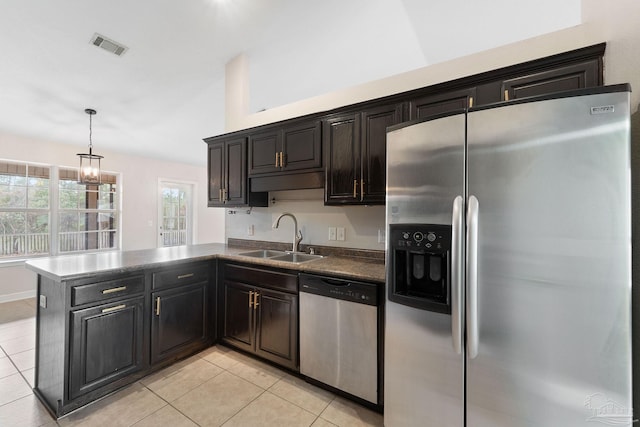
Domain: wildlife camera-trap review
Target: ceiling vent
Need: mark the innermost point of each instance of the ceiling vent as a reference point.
(108, 44)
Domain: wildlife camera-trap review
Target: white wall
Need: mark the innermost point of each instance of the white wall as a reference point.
(139, 199)
(614, 22)
(361, 223)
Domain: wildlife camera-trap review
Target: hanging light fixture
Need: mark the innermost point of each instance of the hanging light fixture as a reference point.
(89, 172)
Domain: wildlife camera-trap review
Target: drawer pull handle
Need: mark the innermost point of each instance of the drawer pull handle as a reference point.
(112, 290)
(277, 159)
(362, 190)
(355, 188)
(250, 299)
(158, 306)
(185, 276)
(255, 300)
(117, 307)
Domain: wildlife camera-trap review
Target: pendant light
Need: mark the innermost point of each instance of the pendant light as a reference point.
(89, 172)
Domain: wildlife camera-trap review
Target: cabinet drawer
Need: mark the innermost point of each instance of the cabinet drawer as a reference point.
(264, 278)
(93, 292)
(183, 275)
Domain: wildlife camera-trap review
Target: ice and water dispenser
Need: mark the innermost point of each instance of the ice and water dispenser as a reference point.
(421, 266)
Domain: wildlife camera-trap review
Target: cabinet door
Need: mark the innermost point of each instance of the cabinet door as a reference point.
(569, 77)
(106, 344)
(263, 149)
(302, 146)
(216, 169)
(179, 320)
(341, 139)
(372, 185)
(238, 316)
(236, 172)
(277, 327)
(431, 105)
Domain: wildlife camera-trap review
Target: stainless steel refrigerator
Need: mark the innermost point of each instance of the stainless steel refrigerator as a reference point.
(509, 265)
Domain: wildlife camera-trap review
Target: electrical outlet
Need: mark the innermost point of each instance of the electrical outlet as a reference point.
(340, 233)
(332, 233)
(381, 236)
(250, 230)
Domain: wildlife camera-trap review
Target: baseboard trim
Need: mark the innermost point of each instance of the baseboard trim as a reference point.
(17, 296)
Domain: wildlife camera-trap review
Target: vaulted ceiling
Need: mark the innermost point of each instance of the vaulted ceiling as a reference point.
(167, 91)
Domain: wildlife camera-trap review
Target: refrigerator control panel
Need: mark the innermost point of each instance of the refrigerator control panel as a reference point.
(420, 266)
(433, 237)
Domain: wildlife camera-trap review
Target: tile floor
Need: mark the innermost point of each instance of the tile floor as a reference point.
(217, 387)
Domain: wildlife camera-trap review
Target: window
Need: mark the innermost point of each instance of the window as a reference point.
(24, 209)
(44, 211)
(87, 214)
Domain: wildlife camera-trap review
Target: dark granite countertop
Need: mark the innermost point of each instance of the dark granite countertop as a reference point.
(69, 267)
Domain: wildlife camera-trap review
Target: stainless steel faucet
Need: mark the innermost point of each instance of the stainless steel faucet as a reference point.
(297, 234)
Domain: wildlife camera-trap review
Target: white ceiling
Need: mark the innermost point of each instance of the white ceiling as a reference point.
(166, 92)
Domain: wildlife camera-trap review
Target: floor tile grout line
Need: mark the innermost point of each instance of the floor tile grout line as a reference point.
(293, 403)
(21, 397)
(169, 404)
(268, 388)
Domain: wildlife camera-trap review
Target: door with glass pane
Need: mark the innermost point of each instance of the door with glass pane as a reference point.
(175, 214)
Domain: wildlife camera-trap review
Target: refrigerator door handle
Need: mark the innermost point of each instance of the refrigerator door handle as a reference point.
(456, 274)
(472, 278)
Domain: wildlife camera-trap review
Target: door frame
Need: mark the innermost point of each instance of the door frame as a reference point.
(192, 217)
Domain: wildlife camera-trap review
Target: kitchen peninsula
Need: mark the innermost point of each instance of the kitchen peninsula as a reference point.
(105, 320)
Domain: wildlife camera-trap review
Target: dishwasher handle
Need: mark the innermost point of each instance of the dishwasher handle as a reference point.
(348, 290)
(335, 282)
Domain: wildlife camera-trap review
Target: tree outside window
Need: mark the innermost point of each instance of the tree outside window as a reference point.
(24, 209)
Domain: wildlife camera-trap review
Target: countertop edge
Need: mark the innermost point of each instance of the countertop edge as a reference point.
(75, 267)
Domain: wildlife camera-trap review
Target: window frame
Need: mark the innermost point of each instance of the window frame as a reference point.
(54, 211)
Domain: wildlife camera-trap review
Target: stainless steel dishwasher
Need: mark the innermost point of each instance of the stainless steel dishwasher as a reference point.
(339, 334)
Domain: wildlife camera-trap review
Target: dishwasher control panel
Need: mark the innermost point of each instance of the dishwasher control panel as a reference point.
(347, 290)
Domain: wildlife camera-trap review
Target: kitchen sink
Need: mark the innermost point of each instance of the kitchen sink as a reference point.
(296, 257)
(263, 253)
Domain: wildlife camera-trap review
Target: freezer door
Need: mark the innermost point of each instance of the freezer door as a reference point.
(423, 372)
(552, 181)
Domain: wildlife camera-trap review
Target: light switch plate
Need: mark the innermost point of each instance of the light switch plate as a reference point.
(332, 233)
(340, 233)
(250, 230)
(43, 301)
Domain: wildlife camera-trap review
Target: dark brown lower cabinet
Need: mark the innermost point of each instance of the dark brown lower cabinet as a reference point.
(178, 321)
(101, 332)
(259, 319)
(106, 344)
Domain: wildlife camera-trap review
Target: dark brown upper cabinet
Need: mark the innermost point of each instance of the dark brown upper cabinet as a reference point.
(434, 104)
(227, 166)
(350, 141)
(355, 155)
(285, 149)
(569, 77)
